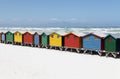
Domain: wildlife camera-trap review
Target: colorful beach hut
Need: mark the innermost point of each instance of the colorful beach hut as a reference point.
(45, 40)
(56, 40)
(37, 39)
(2, 37)
(18, 38)
(28, 39)
(112, 44)
(73, 41)
(93, 41)
(9, 37)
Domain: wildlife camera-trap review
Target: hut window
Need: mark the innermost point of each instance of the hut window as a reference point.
(52, 36)
(109, 39)
(87, 38)
(58, 36)
(96, 38)
(75, 37)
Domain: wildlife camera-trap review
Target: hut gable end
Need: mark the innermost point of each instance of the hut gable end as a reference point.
(55, 39)
(72, 41)
(28, 38)
(92, 42)
(17, 37)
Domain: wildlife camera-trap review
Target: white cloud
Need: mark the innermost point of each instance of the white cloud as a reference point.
(73, 19)
(54, 19)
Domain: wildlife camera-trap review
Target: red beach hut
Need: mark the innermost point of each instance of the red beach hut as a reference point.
(73, 41)
(28, 38)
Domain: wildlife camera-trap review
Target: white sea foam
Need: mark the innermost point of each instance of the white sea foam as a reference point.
(106, 31)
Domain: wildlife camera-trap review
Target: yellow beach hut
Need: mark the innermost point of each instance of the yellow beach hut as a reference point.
(56, 40)
(18, 38)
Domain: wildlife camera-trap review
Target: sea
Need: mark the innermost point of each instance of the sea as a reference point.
(86, 30)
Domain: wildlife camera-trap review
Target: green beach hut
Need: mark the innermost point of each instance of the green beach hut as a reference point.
(45, 40)
(9, 37)
(112, 44)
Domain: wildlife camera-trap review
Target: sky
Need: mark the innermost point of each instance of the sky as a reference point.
(60, 13)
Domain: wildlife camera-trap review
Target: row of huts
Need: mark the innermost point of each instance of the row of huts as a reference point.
(62, 40)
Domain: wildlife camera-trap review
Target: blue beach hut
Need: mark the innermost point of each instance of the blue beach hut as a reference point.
(2, 37)
(36, 39)
(92, 41)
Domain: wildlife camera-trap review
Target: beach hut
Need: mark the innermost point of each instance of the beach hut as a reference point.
(37, 39)
(73, 41)
(93, 42)
(112, 44)
(9, 37)
(28, 39)
(2, 37)
(56, 40)
(18, 38)
(45, 40)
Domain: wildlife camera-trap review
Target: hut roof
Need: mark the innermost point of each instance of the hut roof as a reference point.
(62, 33)
(9, 32)
(76, 34)
(28, 32)
(2, 33)
(47, 33)
(115, 36)
(17, 32)
(36, 33)
(97, 34)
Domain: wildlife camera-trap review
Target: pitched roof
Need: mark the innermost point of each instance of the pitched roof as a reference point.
(99, 35)
(76, 34)
(47, 33)
(36, 33)
(17, 32)
(27, 32)
(9, 32)
(62, 33)
(115, 36)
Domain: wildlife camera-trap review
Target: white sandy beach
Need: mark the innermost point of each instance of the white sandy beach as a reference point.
(17, 62)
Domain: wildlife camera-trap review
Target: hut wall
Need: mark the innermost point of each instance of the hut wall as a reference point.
(36, 39)
(3, 37)
(0, 36)
(9, 37)
(110, 44)
(55, 40)
(118, 45)
(18, 37)
(92, 42)
(28, 38)
(44, 39)
(72, 41)
(102, 44)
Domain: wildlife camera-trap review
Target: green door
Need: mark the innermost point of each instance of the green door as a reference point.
(110, 44)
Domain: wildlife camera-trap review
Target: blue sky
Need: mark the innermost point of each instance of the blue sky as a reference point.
(60, 12)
